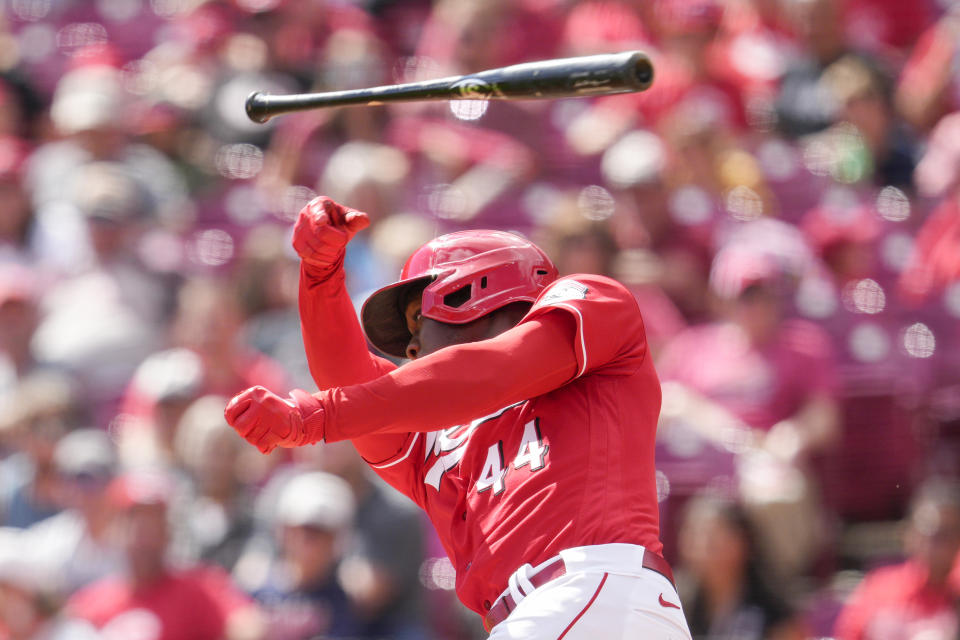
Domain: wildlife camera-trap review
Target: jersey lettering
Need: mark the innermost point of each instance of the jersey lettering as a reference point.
(532, 450)
(493, 471)
(449, 445)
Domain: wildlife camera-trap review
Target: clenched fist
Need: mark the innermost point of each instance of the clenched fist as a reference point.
(268, 421)
(323, 229)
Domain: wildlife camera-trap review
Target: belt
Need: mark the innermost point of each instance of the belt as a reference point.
(555, 568)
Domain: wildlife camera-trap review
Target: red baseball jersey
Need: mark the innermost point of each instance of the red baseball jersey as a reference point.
(570, 466)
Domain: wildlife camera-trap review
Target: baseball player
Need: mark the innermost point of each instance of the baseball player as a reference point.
(523, 424)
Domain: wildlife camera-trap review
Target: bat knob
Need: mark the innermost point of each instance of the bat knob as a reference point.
(256, 106)
(642, 70)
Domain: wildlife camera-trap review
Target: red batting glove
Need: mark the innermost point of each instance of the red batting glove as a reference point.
(322, 231)
(267, 421)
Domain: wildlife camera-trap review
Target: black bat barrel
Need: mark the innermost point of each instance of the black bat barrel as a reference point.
(561, 78)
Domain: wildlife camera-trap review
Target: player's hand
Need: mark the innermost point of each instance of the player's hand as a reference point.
(268, 421)
(323, 229)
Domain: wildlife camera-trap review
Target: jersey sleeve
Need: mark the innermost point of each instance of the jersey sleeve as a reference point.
(337, 351)
(456, 384)
(610, 337)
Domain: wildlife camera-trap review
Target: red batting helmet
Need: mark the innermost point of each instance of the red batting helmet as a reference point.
(467, 275)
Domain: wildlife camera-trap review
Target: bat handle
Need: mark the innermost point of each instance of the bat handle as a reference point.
(256, 106)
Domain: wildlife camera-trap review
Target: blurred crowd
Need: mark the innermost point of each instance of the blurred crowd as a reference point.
(784, 202)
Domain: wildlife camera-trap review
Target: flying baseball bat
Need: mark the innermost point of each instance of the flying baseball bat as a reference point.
(561, 78)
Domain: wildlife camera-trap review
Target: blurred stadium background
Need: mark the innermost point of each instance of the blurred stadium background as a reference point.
(784, 202)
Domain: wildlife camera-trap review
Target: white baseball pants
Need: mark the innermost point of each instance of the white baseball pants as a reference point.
(605, 594)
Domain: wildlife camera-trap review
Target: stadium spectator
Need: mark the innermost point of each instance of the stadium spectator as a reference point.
(207, 356)
(380, 571)
(726, 587)
(217, 521)
(78, 541)
(101, 344)
(31, 594)
(150, 598)
(42, 412)
(137, 199)
(918, 596)
(753, 364)
(294, 576)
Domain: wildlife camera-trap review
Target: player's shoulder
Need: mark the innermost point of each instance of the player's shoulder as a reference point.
(583, 286)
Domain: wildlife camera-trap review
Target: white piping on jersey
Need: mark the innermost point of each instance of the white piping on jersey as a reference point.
(413, 441)
(432, 437)
(442, 444)
(583, 344)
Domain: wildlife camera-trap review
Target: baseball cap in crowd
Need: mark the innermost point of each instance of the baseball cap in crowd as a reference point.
(141, 488)
(106, 191)
(736, 268)
(637, 158)
(85, 453)
(316, 499)
(87, 98)
(169, 376)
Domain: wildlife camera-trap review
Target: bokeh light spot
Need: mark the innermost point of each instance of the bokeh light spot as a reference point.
(446, 201)
(213, 247)
(239, 161)
(31, 10)
(919, 341)
(468, 109)
(595, 203)
(80, 35)
(294, 198)
(744, 204)
(893, 204)
(438, 574)
(663, 486)
(864, 296)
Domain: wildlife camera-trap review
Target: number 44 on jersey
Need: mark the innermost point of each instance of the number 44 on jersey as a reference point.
(532, 452)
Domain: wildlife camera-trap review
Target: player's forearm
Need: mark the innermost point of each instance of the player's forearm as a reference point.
(336, 349)
(457, 384)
